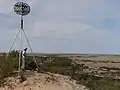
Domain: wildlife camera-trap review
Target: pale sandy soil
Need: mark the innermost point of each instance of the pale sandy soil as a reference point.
(38, 81)
(100, 61)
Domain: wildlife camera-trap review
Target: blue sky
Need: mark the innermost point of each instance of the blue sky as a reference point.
(82, 26)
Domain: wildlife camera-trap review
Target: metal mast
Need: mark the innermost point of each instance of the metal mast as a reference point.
(22, 9)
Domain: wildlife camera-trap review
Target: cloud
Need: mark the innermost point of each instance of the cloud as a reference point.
(56, 29)
(69, 37)
(65, 25)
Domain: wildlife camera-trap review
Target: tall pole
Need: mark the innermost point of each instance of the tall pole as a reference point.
(22, 22)
(20, 51)
(22, 9)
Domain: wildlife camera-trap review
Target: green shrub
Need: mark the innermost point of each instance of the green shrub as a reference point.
(5, 67)
(13, 58)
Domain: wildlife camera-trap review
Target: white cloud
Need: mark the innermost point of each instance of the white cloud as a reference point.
(69, 31)
(90, 11)
(70, 21)
(56, 29)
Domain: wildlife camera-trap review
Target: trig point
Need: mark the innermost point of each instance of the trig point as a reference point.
(22, 9)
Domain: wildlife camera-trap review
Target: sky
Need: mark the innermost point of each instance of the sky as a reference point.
(61, 26)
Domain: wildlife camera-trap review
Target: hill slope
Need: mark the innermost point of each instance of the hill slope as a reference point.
(39, 81)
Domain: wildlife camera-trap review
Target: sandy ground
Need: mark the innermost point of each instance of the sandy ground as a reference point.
(40, 81)
(97, 61)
